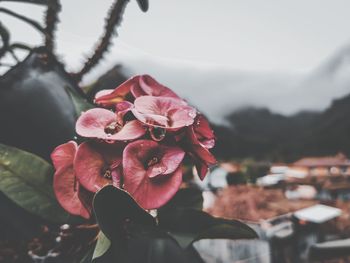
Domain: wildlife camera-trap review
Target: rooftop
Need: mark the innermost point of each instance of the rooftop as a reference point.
(337, 160)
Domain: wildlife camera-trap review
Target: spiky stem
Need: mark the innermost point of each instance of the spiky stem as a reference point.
(5, 39)
(51, 19)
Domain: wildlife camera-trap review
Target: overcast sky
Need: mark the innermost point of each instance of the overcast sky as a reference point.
(264, 53)
(275, 35)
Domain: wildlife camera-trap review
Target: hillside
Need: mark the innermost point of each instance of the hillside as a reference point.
(261, 134)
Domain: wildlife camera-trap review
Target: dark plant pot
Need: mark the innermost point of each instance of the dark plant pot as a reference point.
(36, 110)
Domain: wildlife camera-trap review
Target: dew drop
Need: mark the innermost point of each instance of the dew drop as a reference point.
(157, 133)
(192, 114)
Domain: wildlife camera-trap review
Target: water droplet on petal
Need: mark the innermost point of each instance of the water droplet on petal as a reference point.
(157, 133)
(192, 114)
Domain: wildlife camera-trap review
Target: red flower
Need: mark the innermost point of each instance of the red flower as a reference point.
(203, 132)
(108, 98)
(132, 88)
(69, 193)
(149, 86)
(152, 172)
(104, 124)
(97, 165)
(165, 112)
(200, 138)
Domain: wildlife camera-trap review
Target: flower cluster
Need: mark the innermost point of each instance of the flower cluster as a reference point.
(136, 140)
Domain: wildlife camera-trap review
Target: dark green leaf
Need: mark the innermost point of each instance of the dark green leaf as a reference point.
(133, 234)
(114, 208)
(188, 226)
(145, 244)
(80, 102)
(27, 180)
(185, 198)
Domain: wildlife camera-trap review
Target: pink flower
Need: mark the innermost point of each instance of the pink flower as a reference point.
(165, 112)
(70, 194)
(203, 132)
(106, 125)
(149, 86)
(152, 172)
(132, 88)
(108, 98)
(97, 165)
(199, 139)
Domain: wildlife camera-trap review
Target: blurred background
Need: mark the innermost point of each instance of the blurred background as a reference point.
(273, 77)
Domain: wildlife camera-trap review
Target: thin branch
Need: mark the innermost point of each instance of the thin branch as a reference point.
(31, 22)
(5, 38)
(15, 46)
(20, 46)
(37, 2)
(51, 20)
(14, 55)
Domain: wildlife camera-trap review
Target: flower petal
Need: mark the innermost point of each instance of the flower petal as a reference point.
(201, 155)
(163, 111)
(152, 193)
(130, 131)
(63, 155)
(91, 162)
(204, 133)
(149, 86)
(66, 190)
(171, 158)
(123, 108)
(92, 123)
(119, 94)
(103, 93)
(148, 189)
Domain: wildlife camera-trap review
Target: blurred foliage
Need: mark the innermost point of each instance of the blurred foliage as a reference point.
(27, 180)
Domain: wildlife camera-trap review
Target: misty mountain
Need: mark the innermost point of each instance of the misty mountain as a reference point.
(261, 134)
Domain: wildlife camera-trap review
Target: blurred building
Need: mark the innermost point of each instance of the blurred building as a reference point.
(324, 166)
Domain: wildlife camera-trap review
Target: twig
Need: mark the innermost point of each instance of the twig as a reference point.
(23, 18)
(51, 19)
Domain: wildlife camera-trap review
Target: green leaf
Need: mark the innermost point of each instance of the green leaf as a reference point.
(188, 226)
(114, 208)
(131, 234)
(146, 244)
(27, 180)
(81, 104)
(185, 198)
(102, 246)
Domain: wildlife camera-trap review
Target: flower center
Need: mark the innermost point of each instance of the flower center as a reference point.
(153, 161)
(107, 173)
(157, 133)
(113, 128)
